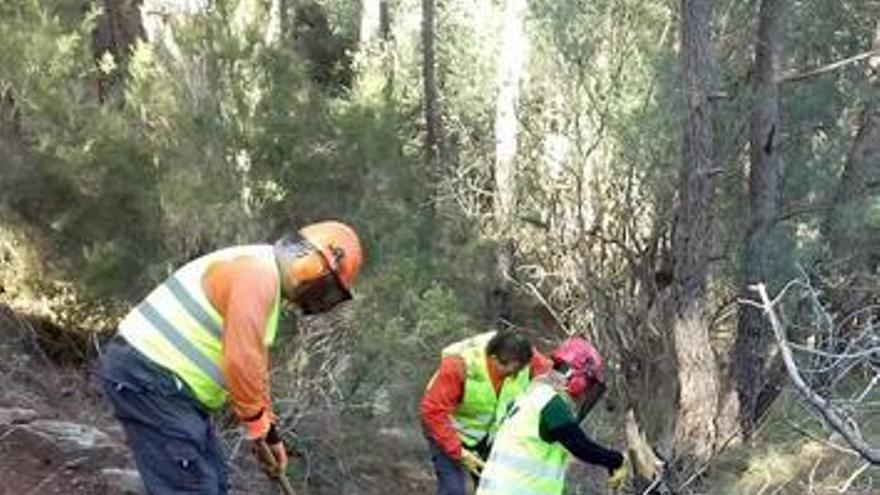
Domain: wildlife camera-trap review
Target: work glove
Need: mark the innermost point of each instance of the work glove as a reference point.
(471, 462)
(618, 476)
(271, 453)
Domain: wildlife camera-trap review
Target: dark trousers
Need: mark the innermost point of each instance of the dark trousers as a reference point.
(452, 479)
(171, 436)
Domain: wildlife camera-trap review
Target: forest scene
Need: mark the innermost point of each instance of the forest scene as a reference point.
(691, 186)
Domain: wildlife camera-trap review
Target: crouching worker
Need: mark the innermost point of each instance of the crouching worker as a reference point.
(202, 336)
(477, 380)
(532, 448)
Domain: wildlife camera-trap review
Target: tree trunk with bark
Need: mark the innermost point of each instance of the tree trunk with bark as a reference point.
(116, 30)
(429, 81)
(278, 27)
(750, 349)
(511, 64)
(697, 371)
(374, 24)
(847, 228)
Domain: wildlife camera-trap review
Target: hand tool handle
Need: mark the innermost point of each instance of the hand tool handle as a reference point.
(269, 457)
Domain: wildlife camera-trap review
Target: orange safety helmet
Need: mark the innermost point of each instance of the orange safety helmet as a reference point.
(340, 247)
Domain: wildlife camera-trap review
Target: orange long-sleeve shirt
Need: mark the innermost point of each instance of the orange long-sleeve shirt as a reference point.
(446, 390)
(243, 291)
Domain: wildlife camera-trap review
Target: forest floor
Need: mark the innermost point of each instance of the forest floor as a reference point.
(55, 434)
(58, 436)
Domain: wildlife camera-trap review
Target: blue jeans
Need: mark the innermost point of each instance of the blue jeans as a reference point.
(451, 477)
(169, 433)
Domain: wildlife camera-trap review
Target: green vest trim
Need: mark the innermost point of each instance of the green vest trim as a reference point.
(481, 410)
(178, 328)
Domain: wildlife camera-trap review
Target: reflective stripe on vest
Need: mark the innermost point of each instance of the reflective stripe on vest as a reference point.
(481, 410)
(521, 463)
(178, 328)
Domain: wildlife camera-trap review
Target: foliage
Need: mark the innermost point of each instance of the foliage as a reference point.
(793, 453)
(220, 134)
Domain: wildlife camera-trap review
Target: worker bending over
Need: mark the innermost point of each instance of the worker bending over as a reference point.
(532, 448)
(202, 337)
(477, 380)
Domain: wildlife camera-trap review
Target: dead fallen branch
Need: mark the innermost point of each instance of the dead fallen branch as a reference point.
(826, 68)
(816, 401)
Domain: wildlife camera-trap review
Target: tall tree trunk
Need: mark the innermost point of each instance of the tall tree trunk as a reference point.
(764, 170)
(118, 27)
(697, 373)
(17, 175)
(435, 156)
(374, 24)
(429, 80)
(375, 61)
(511, 64)
(278, 26)
(847, 228)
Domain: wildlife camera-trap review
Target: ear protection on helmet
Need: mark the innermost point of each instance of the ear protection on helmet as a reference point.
(309, 267)
(300, 258)
(338, 243)
(575, 381)
(318, 288)
(577, 385)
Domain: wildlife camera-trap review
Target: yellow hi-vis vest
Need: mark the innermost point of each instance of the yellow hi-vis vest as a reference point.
(480, 411)
(521, 463)
(178, 328)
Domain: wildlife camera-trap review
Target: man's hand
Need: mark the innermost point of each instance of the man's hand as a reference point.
(471, 462)
(619, 476)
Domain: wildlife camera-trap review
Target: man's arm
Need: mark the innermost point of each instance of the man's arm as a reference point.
(558, 424)
(442, 397)
(244, 291)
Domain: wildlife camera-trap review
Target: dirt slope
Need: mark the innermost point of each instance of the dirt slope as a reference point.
(56, 436)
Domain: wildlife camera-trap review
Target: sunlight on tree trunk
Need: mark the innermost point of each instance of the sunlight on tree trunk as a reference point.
(511, 65)
(695, 430)
(698, 386)
(278, 25)
(373, 21)
(374, 61)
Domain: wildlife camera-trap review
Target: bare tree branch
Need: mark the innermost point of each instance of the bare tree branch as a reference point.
(819, 403)
(844, 488)
(826, 442)
(859, 354)
(825, 68)
(550, 309)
